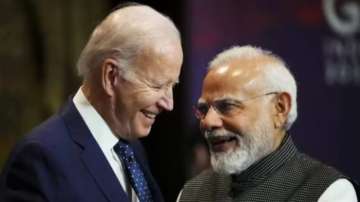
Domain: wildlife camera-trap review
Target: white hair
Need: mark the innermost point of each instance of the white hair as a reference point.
(276, 76)
(123, 34)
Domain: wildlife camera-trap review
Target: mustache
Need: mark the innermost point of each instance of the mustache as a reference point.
(223, 134)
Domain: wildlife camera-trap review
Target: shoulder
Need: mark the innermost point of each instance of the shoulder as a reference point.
(317, 168)
(48, 130)
(43, 143)
(308, 176)
(207, 182)
(41, 140)
(33, 165)
(204, 177)
(53, 134)
(56, 129)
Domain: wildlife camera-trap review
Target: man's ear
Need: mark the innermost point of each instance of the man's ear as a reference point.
(109, 76)
(282, 108)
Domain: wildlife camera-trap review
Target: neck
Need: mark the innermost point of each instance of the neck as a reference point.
(279, 136)
(101, 102)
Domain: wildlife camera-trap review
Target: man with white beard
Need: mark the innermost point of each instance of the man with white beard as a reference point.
(247, 105)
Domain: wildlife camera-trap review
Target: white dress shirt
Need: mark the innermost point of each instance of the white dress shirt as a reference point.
(339, 191)
(105, 139)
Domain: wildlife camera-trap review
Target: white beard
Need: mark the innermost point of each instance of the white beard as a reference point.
(253, 146)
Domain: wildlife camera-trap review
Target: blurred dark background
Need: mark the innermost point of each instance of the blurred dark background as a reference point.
(40, 42)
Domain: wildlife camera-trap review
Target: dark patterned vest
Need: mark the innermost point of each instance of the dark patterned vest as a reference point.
(284, 175)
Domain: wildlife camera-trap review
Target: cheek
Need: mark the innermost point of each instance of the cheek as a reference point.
(242, 123)
(236, 124)
(146, 99)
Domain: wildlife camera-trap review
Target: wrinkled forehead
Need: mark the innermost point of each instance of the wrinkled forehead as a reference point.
(238, 79)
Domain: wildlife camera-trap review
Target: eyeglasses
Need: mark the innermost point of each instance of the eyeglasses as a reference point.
(224, 107)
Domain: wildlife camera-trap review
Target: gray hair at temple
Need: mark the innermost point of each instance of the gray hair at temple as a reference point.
(276, 77)
(123, 34)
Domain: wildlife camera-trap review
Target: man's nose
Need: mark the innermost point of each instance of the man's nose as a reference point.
(167, 102)
(211, 120)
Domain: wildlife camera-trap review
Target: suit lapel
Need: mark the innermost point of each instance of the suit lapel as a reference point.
(92, 156)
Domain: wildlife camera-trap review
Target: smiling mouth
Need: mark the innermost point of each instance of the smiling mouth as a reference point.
(222, 143)
(149, 114)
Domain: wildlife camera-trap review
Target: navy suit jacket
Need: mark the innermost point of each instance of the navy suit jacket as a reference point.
(60, 161)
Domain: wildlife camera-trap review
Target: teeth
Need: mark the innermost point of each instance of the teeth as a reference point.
(219, 139)
(150, 115)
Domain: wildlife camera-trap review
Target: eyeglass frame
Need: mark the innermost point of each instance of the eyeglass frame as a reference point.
(230, 102)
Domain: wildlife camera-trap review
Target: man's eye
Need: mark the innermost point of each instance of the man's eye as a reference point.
(164, 86)
(157, 87)
(203, 108)
(226, 107)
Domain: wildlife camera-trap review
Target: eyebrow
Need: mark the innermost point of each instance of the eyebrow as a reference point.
(227, 97)
(230, 100)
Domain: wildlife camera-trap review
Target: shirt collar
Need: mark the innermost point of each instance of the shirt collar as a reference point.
(96, 124)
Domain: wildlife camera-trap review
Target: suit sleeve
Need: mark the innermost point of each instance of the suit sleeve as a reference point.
(28, 176)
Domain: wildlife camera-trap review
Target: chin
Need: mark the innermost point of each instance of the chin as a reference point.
(143, 135)
(144, 132)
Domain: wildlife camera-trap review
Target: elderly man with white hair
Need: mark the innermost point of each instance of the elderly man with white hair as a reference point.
(247, 105)
(89, 151)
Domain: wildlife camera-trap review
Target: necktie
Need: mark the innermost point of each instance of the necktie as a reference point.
(135, 174)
